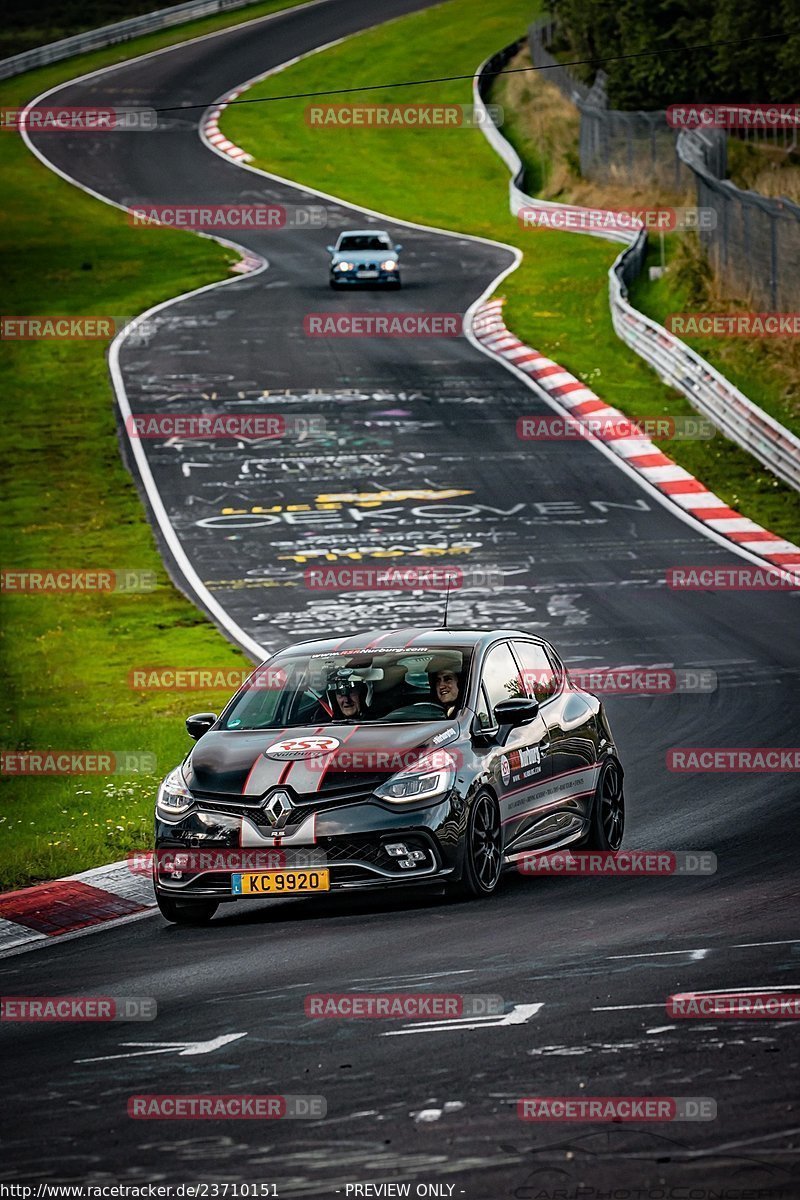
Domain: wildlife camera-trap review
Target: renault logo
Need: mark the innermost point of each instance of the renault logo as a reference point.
(276, 806)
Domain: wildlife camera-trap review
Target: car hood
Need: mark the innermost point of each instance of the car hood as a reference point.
(245, 762)
(359, 257)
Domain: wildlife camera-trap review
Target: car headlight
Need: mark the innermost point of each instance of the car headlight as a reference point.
(174, 797)
(389, 265)
(432, 774)
(344, 266)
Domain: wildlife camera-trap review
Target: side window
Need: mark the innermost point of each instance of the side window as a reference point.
(482, 712)
(500, 678)
(538, 676)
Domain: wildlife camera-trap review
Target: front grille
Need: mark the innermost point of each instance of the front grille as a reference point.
(342, 785)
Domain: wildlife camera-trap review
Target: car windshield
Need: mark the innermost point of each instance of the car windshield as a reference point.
(364, 242)
(373, 686)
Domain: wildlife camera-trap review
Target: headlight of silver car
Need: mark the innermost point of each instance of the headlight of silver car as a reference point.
(389, 265)
(344, 266)
(174, 798)
(432, 774)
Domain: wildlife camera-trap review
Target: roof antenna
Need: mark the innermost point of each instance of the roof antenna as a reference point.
(446, 601)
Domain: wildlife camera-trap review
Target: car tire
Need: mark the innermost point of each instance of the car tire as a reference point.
(186, 912)
(607, 824)
(483, 856)
(333, 285)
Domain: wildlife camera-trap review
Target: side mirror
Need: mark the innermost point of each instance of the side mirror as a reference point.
(330, 249)
(398, 247)
(200, 723)
(517, 710)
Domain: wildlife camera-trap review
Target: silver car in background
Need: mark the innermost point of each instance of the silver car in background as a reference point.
(364, 256)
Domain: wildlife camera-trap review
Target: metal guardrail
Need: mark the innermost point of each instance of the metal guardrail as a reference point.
(679, 366)
(110, 35)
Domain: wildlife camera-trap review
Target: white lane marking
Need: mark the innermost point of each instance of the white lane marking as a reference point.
(519, 1014)
(410, 978)
(743, 991)
(696, 954)
(185, 1049)
(762, 1137)
(626, 1007)
(661, 1029)
(729, 991)
(427, 1115)
(749, 945)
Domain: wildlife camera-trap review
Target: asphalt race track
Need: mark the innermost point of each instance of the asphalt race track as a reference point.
(583, 549)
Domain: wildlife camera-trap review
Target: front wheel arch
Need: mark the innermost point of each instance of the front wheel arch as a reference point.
(481, 872)
(607, 817)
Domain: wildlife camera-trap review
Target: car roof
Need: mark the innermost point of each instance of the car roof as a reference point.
(363, 233)
(408, 637)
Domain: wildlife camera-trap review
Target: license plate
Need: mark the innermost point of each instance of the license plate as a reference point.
(367, 274)
(280, 883)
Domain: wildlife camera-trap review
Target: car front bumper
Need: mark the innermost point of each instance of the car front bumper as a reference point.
(348, 839)
(353, 278)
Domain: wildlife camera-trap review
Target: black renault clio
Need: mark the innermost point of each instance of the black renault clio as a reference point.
(386, 759)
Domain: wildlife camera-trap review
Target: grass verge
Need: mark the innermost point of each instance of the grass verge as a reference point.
(558, 299)
(70, 503)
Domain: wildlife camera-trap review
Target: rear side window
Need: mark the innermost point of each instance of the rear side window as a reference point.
(538, 676)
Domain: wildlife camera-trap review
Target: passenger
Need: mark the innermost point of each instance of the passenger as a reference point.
(447, 689)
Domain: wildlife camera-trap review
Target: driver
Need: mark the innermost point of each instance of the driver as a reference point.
(349, 695)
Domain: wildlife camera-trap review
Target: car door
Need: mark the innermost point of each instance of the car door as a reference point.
(516, 767)
(570, 748)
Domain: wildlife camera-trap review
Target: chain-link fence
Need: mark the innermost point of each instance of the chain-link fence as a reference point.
(754, 248)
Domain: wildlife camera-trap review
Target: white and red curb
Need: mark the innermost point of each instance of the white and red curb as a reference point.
(211, 129)
(577, 401)
(80, 903)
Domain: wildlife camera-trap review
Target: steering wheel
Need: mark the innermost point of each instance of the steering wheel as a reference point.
(434, 710)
